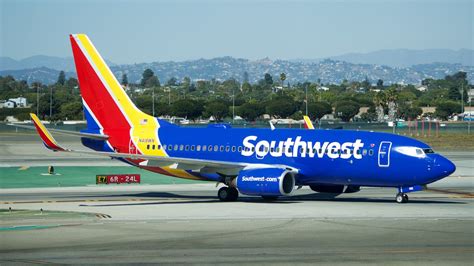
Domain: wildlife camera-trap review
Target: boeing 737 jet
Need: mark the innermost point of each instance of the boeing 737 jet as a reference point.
(260, 162)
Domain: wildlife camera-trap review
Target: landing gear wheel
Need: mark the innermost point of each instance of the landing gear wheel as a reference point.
(227, 194)
(402, 198)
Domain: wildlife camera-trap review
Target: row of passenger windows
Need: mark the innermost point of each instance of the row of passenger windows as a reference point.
(222, 148)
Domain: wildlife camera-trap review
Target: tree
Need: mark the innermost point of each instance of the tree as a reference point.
(409, 113)
(250, 111)
(380, 84)
(268, 79)
(446, 109)
(246, 77)
(147, 74)
(282, 78)
(317, 110)
(281, 107)
(172, 82)
(71, 111)
(153, 81)
(346, 110)
(124, 80)
(217, 109)
(190, 109)
(61, 78)
(366, 83)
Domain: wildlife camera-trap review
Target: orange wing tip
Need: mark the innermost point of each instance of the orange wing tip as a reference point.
(48, 140)
(307, 122)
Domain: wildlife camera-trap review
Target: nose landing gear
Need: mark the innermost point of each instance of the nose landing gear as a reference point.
(401, 198)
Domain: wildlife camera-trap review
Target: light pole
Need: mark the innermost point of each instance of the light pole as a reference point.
(233, 103)
(37, 99)
(51, 103)
(306, 98)
(153, 100)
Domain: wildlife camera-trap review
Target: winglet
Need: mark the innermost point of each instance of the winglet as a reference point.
(48, 140)
(307, 122)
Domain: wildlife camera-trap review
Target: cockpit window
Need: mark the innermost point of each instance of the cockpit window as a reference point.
(411, 151)
(428, 151)
(419, 152)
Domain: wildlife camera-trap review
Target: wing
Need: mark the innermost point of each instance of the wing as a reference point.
(225, 167)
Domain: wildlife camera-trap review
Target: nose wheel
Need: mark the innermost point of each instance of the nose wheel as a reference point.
(401, 198)
(228, 194)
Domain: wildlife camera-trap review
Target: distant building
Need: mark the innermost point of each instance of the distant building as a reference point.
(19, 101)
(470, 95)
(422, 88)
(322, 88)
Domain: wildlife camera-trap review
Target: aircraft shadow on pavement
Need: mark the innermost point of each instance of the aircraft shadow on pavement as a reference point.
(189, 199)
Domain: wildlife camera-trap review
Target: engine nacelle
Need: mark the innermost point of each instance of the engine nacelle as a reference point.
(265, 182)
(335, 189)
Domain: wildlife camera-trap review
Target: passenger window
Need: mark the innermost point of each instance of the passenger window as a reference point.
(240, 149)
(153, 146)
(204, 148)
(181, 147)
(192, 147)
(210, 148)
(233, 148)
(198, 148)
(216, 148)
(371, 152)
(364, 152)
(176, 147)
(187, 147)
(159, 147)
(148, 146)
(222, 148)
(227, 149)
(164, 147)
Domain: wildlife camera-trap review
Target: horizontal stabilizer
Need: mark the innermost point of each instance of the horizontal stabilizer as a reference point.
(48, 140)
(67, 132)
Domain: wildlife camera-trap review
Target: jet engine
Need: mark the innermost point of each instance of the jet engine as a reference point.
(272, 182)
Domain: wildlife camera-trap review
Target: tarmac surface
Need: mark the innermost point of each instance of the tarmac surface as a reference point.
(186, 224)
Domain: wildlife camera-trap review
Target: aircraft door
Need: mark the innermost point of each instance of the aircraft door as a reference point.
(384, 153)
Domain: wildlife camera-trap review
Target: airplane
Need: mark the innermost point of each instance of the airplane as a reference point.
(269, 163)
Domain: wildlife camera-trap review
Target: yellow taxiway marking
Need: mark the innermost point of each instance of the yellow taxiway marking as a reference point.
(456, 194)
(83, 200)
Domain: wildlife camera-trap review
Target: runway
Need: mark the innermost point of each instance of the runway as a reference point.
(187, 224)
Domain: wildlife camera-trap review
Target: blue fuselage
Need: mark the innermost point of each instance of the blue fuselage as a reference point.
(322, 156)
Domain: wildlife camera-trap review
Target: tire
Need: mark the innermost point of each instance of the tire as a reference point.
(405, 198)
(223, 194)
(234, 194)
(227, 194)
(400, 198)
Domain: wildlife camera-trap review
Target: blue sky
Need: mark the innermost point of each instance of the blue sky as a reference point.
(126, 31)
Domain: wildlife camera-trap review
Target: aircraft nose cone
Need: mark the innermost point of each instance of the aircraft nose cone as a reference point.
(444, 167)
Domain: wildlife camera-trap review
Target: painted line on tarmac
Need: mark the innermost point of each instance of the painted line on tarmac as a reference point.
(459, 194)
(85, 200)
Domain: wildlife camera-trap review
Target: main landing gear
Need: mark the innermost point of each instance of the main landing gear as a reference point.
(228, 194)
(401, 198)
